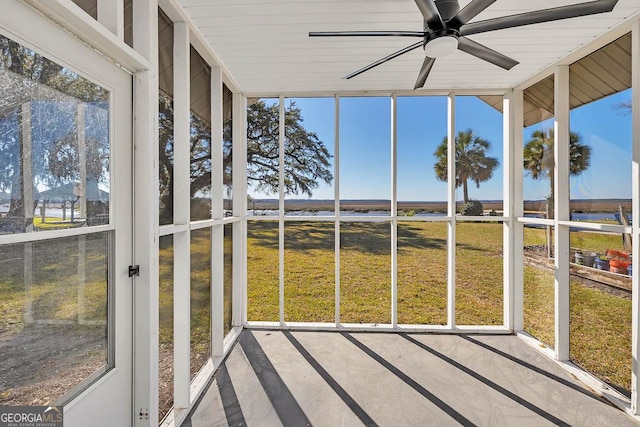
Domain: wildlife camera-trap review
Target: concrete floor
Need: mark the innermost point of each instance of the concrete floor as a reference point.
(276, 378)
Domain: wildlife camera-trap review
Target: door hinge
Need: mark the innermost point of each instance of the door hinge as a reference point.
(134, 270)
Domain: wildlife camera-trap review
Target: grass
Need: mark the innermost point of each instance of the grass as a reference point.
(262, 271)
(165, 350)
(200, 298)
(422, 273)
(596, 242)
(479, 265)
(365, 273)
(600, 326)
(600, 335)
(53, 311)
(365, 268)
(309, 272)
(55, 282)
(52, 223)
(228, 277)
(600, 322)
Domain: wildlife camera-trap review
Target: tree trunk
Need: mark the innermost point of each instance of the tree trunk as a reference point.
(82, 159)
(21, 208)
(550, 215)
(549, 235)
(465, 191)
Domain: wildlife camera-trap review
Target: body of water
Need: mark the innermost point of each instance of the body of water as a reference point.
(582, 216)
(590, 216)
(271, 212)
(50, 212)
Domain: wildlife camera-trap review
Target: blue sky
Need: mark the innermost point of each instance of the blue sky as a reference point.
(365, 161)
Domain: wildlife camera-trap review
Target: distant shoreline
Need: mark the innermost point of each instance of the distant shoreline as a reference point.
(581, 205)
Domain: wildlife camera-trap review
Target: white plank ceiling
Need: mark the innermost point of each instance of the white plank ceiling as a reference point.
(265, 47)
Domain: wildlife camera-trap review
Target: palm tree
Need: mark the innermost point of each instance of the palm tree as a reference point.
(472, 162)
(539, 158)
(539, 162)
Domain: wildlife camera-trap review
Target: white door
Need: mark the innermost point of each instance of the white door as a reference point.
(65, 223)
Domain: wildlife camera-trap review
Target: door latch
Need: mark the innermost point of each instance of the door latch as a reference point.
(134, 270)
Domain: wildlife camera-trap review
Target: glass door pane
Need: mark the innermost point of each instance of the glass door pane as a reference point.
(65, 300)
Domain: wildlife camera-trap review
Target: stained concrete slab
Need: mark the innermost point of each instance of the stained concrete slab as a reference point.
(208, 414)
(312, 391)
(252, 397)
(275, 378)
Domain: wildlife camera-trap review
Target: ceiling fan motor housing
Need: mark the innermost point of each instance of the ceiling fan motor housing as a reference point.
(447, 27)
(450, 32)
(448, 8)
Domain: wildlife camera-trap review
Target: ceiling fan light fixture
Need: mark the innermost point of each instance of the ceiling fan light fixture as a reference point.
(446, 28)
(441, 46)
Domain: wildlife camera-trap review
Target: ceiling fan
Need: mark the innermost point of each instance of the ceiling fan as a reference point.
(446, 28)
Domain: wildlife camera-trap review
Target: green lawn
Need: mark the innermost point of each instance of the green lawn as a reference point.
(365, 272)
(600, 326)
(200, 298)
(58, 280)
(200, 292)
(53, 316)
(600, 322)
(600, 331)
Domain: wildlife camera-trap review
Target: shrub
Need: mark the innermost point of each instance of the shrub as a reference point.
(472, 208)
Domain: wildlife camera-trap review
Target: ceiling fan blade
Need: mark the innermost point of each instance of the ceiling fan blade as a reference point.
(367, 34)
(430, 13)
(385, 59)
(424, 72)
(469, 12)
(539, 16)
(485, 53)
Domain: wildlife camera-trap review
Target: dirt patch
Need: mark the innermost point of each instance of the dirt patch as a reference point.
(42, 362)
(165, 380)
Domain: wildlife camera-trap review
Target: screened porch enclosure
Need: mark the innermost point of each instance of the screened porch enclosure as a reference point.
(214, 227)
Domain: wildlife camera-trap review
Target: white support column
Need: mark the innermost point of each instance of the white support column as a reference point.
(517, 203)
(239, 132)
(111, 15)
(146, 297)
(181, 216)
(217, 234)
(512, 205)
(394, 210)
(508, 165)
(336, 196)
(635, 294)
(217, 291)
(281, 148)
(451, 211)
(243, 230)
(561, 211)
